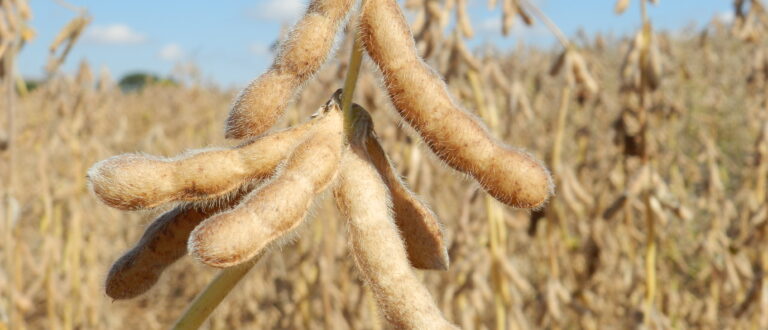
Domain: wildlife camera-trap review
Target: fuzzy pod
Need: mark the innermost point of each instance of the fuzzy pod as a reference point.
(621, 6)
(164, 241)
(581, 74)
(301, 55)
(524, 16)
(135, 181)
(457, 137)
(274, 210)
(363, 198)
(510, 10)
(418, 225)
(462, 19)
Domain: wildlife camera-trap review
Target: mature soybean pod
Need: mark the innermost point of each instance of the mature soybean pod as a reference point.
(363, 198)
(135, 181)
(163, 242)
(276, 209)
(418, 225)
(301, 55)
(458, 138)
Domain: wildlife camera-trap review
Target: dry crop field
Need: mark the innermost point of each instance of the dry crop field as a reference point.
(657, 144)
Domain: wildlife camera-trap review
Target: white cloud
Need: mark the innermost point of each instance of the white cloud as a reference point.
(171, 52)
(114, 34)
(260, 50)
(726, 17)
(279, 10)
(492, 26)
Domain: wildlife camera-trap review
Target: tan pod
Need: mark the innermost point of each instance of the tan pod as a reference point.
(135, 181)
(418, 225)
(458, 138)
(379, 253)
(277, 208)
(308, 46)
(163, 242)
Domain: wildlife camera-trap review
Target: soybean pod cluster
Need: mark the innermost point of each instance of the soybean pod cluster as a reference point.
(233, 204)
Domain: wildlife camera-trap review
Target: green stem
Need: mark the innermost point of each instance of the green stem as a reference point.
(214, 293)
(355, 59)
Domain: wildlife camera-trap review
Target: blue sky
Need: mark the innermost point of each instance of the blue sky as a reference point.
(229, 40)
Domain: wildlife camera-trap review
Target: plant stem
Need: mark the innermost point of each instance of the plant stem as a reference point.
(9, 66)
(214, 293)
(562, 116)
(650, 259)
(548, 22)
(13, 261)
(496, 232)
(353, 71)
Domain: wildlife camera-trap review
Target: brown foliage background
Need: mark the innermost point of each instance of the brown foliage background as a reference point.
(573, 269)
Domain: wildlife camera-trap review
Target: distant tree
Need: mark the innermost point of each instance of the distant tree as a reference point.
(138, 80)
(31, 84)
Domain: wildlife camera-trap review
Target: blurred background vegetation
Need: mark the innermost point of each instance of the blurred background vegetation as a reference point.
(658, 142)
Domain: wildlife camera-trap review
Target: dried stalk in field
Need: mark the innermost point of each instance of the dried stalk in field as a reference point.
(750, 25)
(14, 33)
(621, 6)
(431, 19)
(510, 9)
(640, 77)
(496, 227)
(14, 28)
(462, 19)
(67, 38)
(577, 74)
(641, 68)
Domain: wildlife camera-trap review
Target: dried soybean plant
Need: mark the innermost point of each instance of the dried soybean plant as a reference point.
(641, 76)
(578, 77)
(66, 39)
(237, 203)
(751, 26)
(15, 32)
(750, 21)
